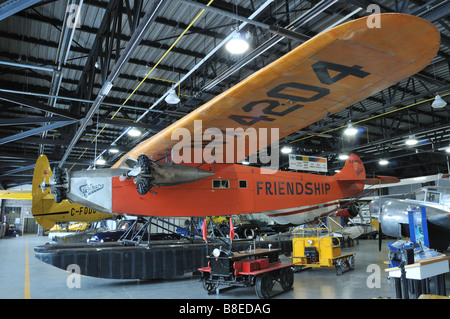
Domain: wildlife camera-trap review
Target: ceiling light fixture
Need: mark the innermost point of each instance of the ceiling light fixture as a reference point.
(238, 44)
(447, 149)
(343, 157)
(383, 162)
(113, 150)
(100, 161)
(286, 150)
(134, 132)
(172, 98)
(106, 88)
(438, 102)
(411, 141)
(350, 130)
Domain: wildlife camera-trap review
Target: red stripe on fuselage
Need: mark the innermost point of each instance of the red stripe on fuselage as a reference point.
(304, 210)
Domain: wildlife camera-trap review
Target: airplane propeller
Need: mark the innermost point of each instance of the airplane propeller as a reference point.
(380, 236)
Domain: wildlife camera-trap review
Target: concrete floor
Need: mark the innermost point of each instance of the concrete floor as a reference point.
(42, 281)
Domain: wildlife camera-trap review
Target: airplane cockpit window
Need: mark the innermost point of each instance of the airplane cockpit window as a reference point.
(433, 197)
(420, 195)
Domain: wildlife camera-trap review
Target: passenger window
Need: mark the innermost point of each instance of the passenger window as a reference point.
(242, 184)
(220, 183)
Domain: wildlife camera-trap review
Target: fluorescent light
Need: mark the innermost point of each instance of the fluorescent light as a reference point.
(411, 141)
(383, 162)
(447, 149)
(106, 88)
(286, 150)
(343, 157)
(100, 161)
(172, 98)
(237, 44)
(350, 130)
(438, 102)
(134, 132)
(113, 150)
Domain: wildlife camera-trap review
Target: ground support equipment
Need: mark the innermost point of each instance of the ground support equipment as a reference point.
(316, 248)
(259, 268)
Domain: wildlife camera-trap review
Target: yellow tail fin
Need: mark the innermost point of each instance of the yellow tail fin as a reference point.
(44, 209)
(42, 198)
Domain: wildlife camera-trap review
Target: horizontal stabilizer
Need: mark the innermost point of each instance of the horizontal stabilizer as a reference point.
(354, 172)
(374, 180)
(24, 195)
(382, 180)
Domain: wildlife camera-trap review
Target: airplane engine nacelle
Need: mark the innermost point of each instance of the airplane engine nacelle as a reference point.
(93, 188)
(158, 174)
(394, 214)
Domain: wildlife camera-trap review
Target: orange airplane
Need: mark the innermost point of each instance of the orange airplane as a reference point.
(199, 177)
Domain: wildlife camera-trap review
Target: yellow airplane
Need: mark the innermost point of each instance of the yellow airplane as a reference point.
(44, 209)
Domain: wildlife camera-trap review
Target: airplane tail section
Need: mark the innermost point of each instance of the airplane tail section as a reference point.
(42, 198)
(354, 171)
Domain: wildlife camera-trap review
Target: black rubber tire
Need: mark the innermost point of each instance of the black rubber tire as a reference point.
(208, 286)
(286, 278)
(264, 286)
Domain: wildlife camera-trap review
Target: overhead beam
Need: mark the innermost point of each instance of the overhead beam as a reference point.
(34, 131)
(363, 114)
(28, 66)
(434, 10)
(124, 123)
(8, 8)
(64, 142)
(131, 47)
(271, 28)
(30, 120)
(30, 103)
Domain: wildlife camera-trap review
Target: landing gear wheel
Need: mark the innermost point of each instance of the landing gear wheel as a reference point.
(286, 278)
(264, 286)
(351, 262)
(208, 286)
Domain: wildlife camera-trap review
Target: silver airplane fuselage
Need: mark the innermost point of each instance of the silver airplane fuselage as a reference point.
(393, 210)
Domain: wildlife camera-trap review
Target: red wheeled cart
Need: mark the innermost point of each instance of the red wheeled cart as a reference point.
(260, 268)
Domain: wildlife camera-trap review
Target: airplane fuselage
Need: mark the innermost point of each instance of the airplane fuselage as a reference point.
(288, 197)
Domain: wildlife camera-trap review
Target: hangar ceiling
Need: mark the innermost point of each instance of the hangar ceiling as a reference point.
(53, 77)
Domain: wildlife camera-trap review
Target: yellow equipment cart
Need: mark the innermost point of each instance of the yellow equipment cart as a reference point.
(314, 247)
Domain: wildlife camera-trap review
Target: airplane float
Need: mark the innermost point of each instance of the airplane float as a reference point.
(163, 176)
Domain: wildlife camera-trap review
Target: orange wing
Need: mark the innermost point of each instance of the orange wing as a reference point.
(328, 73)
